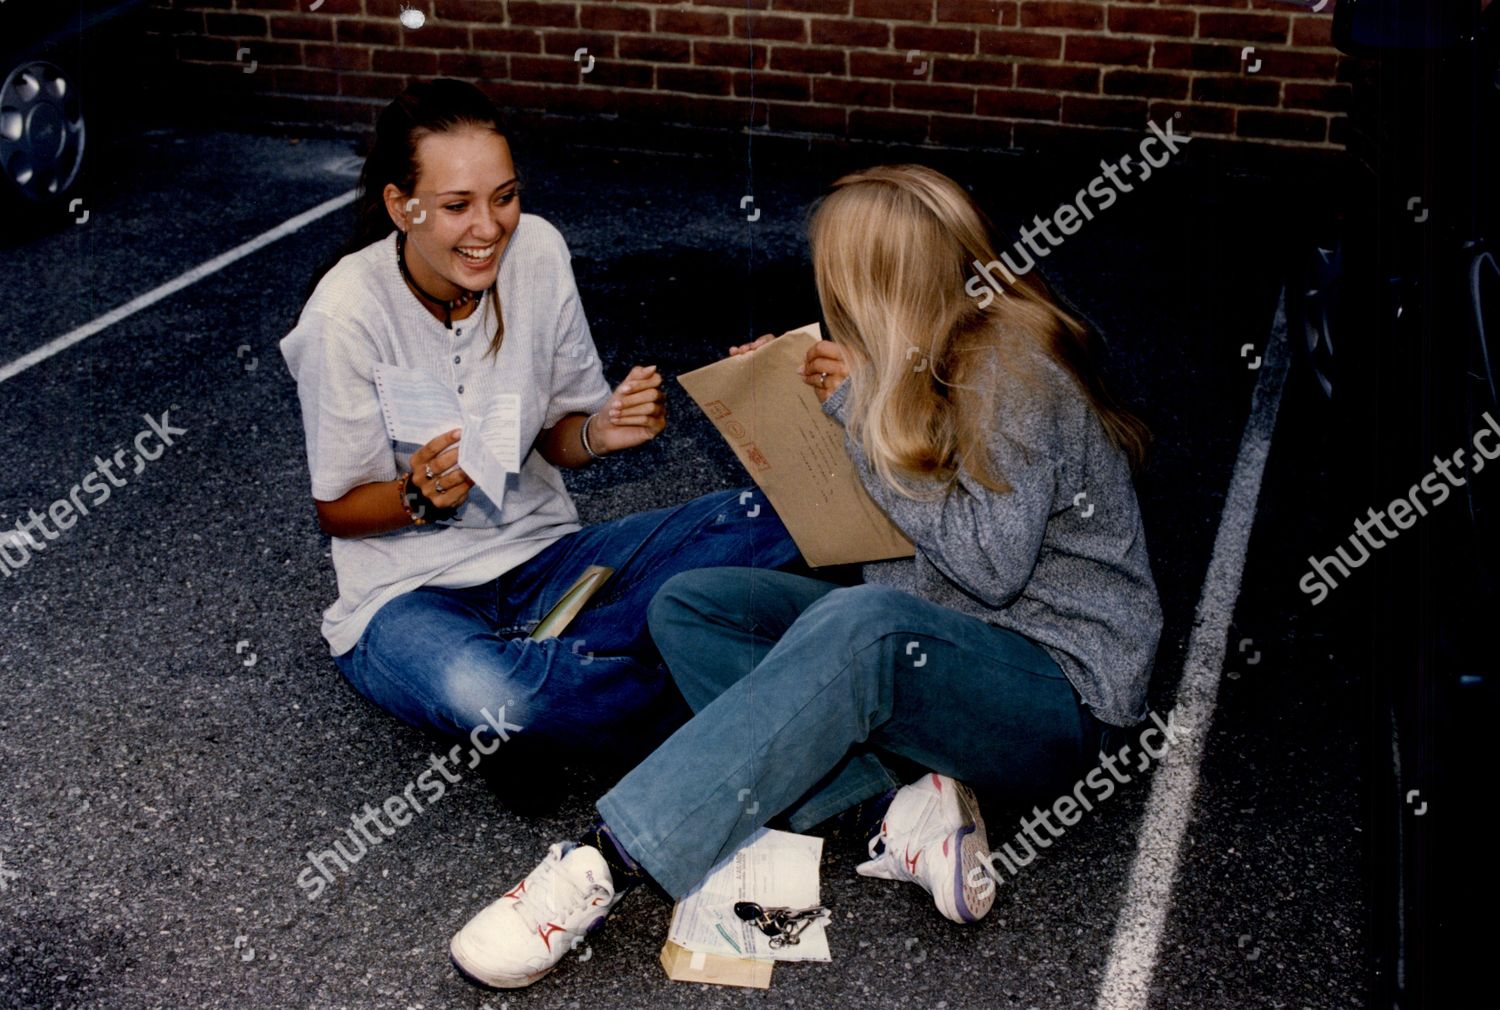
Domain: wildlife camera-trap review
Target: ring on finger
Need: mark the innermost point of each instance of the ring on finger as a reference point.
(428, 471)
(822, 380)
(438, 487)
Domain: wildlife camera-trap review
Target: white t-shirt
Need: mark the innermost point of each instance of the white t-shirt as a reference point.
(363, 312)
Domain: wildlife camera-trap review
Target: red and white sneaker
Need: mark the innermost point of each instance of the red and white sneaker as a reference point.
(523, 934)
(933, 835)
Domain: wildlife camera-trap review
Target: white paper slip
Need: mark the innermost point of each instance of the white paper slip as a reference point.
(418, 407)
(772, 868)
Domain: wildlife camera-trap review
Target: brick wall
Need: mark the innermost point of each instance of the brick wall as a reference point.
(993, 74)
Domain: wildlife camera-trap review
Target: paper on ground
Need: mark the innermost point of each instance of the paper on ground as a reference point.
(795, 452)
(418, 407)
(772, 868)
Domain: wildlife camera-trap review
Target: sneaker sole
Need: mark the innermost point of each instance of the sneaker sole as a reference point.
(497, 982)
(970, 903)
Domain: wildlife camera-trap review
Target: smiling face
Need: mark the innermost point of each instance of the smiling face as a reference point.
(462, 211)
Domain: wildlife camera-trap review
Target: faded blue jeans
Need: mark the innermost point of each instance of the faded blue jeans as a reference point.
(800, 686)
(436, 658)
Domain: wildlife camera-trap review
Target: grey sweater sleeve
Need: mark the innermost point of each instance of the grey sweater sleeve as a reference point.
(984, 541)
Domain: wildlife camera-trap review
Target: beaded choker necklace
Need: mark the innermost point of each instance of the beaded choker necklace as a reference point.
(446, 305)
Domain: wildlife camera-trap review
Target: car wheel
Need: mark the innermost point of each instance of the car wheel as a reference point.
(42, 135)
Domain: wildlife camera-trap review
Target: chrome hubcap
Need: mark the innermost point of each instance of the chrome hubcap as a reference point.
(41, 130)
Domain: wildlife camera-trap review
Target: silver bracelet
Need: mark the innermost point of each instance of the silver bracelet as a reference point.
(583, 436)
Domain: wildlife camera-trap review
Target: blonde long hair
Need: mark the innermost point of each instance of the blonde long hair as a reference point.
(891, 249)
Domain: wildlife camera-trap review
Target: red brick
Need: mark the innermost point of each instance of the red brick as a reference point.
(470, 64)
(605, 17)
(808, 61)
(1281, 125)
(618, 74)
(371, 85)
(1057, 77)
(655, 48)
(404, 61)
(692, 23)
(1019, 104)
(506, 40)
(376, 33)
(1061, 14)
(1107, 49)
(1008, 43)
(894, 10)
(1149, 21)
(1135, 82)
(934, 98)
(812, 6)
(772, 87)
(729, 54)
(1320, 97)
(1249, 27)
(601, 45)
(979, 12)
(242, 25)
(334, 57)
(770, 27)
(436, 37)
(548, 69)
(987, 73)
(491, 11)
(828, 32)
(1194, 56)
(865, 94)
(547, 15)
(1194, 119)
(697, 81)
(880, 65)
(317, 28)
(1295, 64)
(1236, 91)
(935, 40)
(1117, 112)
(1312, 31)
(1208, 3)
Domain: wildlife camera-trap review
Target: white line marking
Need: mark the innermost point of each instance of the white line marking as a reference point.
(1133, 950)
(202, 270)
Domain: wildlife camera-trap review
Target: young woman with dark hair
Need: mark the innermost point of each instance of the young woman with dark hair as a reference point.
(440, 584)
(998, 657)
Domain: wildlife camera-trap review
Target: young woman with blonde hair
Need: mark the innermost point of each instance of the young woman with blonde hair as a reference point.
(1025, 626)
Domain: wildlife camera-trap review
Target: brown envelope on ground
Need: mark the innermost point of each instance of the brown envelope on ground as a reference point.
(684, 965)
(795, 452)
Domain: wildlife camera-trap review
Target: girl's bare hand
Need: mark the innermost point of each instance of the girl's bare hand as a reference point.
(635, 414)
(824, 368)
(755, 344)
(440, 458)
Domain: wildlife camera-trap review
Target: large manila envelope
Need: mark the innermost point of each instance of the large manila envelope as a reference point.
(795, 452)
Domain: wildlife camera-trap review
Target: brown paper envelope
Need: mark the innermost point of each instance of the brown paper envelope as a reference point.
(795, 452)
(684, 965)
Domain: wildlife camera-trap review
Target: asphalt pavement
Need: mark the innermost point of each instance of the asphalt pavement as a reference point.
(174, 737)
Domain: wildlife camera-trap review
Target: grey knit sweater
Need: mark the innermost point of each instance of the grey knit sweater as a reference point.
(1073, 577)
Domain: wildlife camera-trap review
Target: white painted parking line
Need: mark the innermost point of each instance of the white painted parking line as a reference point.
(1137, 937)
(202, 270)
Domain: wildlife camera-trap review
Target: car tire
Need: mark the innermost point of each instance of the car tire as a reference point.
(43, 137)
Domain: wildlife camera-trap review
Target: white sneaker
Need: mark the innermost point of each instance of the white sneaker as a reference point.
(523, 934)
(933, 835)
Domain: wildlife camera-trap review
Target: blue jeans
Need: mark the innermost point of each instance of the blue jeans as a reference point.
(436, 658)
(801, 687)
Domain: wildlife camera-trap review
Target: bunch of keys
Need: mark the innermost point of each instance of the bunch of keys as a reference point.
(783, 925)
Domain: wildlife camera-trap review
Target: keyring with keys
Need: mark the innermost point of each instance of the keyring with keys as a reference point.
(783, 925)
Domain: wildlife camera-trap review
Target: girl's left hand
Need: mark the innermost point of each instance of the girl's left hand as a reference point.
(824, 368)
(636, 412)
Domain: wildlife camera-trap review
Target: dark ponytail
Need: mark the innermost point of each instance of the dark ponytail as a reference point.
(435, 106)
